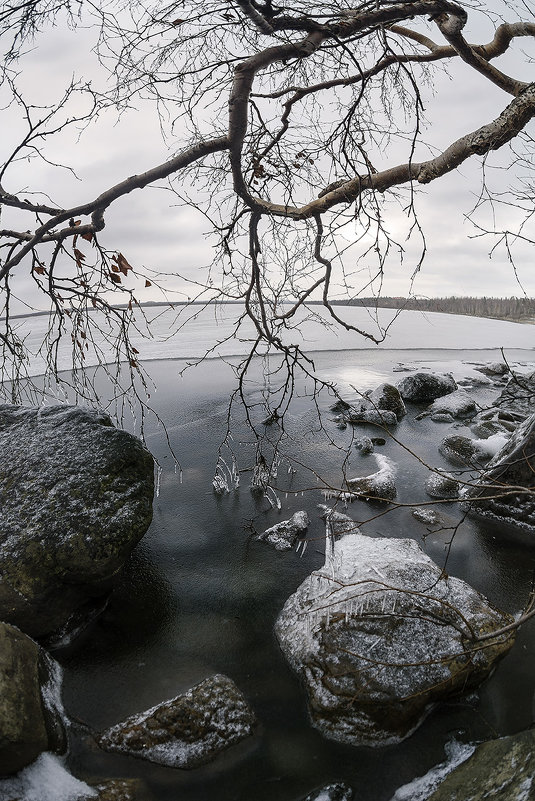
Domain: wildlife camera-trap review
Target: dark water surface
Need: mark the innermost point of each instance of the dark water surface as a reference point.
(200, 596)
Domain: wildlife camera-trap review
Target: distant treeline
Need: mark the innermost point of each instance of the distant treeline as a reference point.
(501, 308)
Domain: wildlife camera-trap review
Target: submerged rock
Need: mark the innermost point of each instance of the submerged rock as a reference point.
(503, 768)
(283, 535)
(380, 634)
(499, 493)
(30, 706)
(188, 730)
(75, 498)
(379, 485)
(425, 387)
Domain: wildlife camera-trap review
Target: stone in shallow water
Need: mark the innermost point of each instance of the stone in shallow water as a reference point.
(425, 387)
(75, 498)
(283, 536)
(380, 634)
(380, 485)
(442, 485)
(188, 730)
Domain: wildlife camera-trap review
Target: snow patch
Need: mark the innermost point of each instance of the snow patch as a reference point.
(422, 787)
(46, 779)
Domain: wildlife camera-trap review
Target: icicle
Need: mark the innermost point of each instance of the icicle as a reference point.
(180, 477)
(158, 480)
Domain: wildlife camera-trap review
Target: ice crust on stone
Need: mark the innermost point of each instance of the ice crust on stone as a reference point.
(46, 779)
(421, 788)
(440, 484)
(282, 536)
(383, 601)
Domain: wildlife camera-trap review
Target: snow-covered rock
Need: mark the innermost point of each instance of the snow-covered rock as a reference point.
(380, 485)
(377, 417)
(282, 536)
(493, 369)
(380, 634)
(364, 445)
(383, 406)
(75, 498)
(512, 466)
(338, 524)
(188, 730)
(457, 404)
(442, 485)
(425, 387)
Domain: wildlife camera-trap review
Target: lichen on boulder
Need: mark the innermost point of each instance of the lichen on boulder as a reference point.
(75, 498)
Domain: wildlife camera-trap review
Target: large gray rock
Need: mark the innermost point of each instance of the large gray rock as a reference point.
(425, 387)
(518, 396)
(505, 491)
(186, 731)
(75, 498)
(388, 398)
(457, 404)
(30, 706)
(380, 634)
(503, 769)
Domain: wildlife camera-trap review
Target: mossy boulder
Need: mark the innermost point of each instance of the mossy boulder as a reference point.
(75, 498)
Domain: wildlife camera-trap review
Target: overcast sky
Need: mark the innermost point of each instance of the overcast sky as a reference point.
(174, 240)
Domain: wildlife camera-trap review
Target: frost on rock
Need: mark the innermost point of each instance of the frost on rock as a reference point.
(76, 497)
(380, 634)
(421, 788)
(379, 485)
(188, 730)
(283, 535)
(442, 485)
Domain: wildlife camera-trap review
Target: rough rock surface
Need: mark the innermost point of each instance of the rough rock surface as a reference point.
(442, 485)
(364, 445)
(339, 791)
(377, 417)
(283, 535)
(427, 516)
(383, 602)
(513, 466)
(188, 730)
(379, 485)
(383, 406)
(425, 387)
(503, 769)
(75, 498)
(338, 524)
(30, 708)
